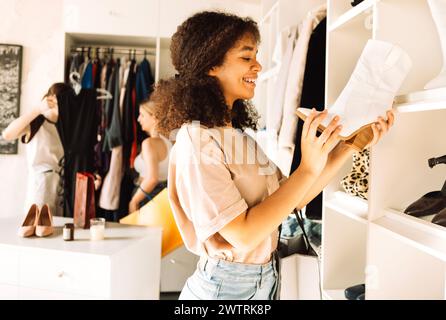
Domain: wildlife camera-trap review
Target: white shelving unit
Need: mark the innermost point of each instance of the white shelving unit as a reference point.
(373, 242)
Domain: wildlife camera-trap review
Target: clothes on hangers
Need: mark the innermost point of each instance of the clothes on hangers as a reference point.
(275, 108)
(313, 96)
(118, 133)
(296, 73)
(113, 132)
(110, 191)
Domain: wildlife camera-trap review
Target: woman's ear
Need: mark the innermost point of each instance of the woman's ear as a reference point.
(213, 71)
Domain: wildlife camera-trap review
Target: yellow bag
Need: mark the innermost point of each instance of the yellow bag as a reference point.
(157, 212)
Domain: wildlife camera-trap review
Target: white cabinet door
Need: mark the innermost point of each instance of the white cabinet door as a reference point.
(65, 272)
(176, 267)
(117, 17)
(36, 294)
(9, 292)
(9, 265)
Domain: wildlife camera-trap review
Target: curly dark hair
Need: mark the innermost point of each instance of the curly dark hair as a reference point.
(199, 44)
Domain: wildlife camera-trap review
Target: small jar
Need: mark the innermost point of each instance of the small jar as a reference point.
(68, 232)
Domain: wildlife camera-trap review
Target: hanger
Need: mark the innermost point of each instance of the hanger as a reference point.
(75, 80)
(107, 95)
(75, 83)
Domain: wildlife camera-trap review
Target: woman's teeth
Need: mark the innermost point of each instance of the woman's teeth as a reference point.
(250, 80)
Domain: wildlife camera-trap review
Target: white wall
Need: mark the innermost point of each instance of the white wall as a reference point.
(40, 27)
(291, 11)
(37, 26)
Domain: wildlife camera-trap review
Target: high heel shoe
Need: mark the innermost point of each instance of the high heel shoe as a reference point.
(440, 218)
(369, 93)
(44, 225)
(29, 224)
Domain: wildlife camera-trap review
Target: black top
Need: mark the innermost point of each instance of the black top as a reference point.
(77, 127)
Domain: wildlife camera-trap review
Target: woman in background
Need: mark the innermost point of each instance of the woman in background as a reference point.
(152, 163)
(37, 128)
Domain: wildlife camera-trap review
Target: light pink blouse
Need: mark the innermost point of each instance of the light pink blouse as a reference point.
(214, 176)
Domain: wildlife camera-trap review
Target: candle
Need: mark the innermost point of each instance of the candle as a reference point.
(97, 229)
(68, 232)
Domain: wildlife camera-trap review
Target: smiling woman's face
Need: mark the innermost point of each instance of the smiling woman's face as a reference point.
(239, 71)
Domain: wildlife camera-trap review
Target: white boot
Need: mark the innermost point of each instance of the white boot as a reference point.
(369, 93)
(438, 10)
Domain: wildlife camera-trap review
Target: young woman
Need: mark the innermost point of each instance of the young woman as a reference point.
(152, 162)
(224, 193)
(37, 129)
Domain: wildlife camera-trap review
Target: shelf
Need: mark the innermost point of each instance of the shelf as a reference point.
(352, 14)
(348, 205)
(334, 294)
(270, 13)
(421, 234)
(424, 100)
(112, 40)
(420, 106)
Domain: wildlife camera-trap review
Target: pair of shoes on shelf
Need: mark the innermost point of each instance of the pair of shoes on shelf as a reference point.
(37, 222)
(440, 218)
(431, 203)
(355, 292)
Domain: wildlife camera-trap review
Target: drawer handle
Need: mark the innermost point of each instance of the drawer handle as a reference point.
(60, 274)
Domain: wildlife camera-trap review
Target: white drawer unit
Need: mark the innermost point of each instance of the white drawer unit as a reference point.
(65, 272)
(125, 265)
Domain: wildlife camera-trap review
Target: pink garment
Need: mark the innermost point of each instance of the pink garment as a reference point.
(111, 188)
(214, 176)
(296, 74)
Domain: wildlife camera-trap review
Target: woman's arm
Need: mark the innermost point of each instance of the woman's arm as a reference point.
(149, 182)
(20, 126)
(253, 226)
(341, 154)
(317, 167)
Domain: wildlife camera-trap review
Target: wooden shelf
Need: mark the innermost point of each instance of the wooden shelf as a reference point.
(353, 207)
(418, 233)
(352, 14)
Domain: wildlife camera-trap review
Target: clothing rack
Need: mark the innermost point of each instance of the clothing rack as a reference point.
(113, 50)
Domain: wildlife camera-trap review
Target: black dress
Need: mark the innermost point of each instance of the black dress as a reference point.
(77, 126)
(313, 96)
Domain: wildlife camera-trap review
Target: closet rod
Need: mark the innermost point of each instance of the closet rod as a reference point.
(115, 51)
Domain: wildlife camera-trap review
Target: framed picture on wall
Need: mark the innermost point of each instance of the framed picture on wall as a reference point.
(10, 78)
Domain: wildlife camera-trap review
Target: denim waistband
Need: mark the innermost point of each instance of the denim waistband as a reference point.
(237, 269)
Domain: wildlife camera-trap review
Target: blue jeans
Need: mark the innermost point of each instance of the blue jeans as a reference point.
(217, 279)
